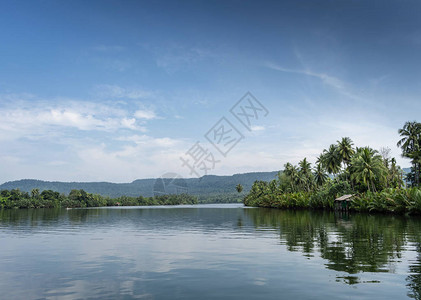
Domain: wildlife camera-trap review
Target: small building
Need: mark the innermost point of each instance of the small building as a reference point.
(343, 202)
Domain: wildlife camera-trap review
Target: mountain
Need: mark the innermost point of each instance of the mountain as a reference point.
(204, 187)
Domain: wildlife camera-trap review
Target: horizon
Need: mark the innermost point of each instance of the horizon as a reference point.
(103, 92)
(150, 178)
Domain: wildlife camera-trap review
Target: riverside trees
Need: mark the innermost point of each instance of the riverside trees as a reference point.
(375, 178)
(79, 198)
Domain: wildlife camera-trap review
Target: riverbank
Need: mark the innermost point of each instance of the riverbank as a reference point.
(16, 199)
(391, 200)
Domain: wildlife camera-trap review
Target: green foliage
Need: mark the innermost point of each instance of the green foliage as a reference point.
(410, 143)
(390, 200)
(367, 169)
(80, 198)
(221, 198)
(206, 187)
(375, 180)
(331, 159)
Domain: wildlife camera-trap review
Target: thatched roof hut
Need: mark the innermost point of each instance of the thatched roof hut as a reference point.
(344, 198)
(342, 203)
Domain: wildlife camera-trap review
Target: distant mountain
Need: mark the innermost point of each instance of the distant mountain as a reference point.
(204, 187)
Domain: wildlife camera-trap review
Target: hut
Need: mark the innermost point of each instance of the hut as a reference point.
(342, 203)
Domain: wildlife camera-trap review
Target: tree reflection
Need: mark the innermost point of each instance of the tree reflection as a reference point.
(351, 243)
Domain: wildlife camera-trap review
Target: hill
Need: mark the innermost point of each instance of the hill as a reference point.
(209, 188)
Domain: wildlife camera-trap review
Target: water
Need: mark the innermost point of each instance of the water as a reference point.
(207, 252)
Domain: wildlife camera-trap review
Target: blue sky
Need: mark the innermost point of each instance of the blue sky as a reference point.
(119, 90)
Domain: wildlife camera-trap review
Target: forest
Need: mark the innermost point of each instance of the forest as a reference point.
(372, 176)
(79, 198)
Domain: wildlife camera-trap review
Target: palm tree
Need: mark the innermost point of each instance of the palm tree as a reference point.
(292, 173)
(345, 150)
(367, 167)
(305, 166)
(35, 193)
(394, 178)
(320, 176)
(239, 188)
(410, 143)
(305, 177)
(330, 159)
(287, 169)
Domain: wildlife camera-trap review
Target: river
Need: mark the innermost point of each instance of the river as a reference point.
(222, 251)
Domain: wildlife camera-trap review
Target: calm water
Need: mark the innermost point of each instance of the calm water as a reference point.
(207, 252)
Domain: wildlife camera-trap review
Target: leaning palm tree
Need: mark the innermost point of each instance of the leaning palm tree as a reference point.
(367, 167)
(331, 160)
(410, 134)
(345, 150)
(410, 143)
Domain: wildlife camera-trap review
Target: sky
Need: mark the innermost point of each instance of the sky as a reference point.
(121, 90)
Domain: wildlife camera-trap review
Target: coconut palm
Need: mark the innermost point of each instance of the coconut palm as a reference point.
(367, 167)
(287, 169)
(305, 166)
(331, 160)
(345, 150)
(394, 178)
(320, 177)
(293, 175)
(305, 176)
(410, 134)
(410, 143)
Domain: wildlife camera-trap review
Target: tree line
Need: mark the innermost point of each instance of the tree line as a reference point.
(79, 198)
(372, 175)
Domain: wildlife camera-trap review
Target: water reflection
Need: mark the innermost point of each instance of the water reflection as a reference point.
(218, 251)
(350, 243)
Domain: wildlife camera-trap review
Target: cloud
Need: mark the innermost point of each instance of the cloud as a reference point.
(145, 114)
(176, 57)
(326, 79)
(257, 128)
(143, 157)
(333, 82)
(37, 118)
(115, 91)
(150, 141)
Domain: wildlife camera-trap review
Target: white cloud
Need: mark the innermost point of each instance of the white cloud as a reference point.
(115, 91)
(38, 118)
(145, 114)
(327, 79)
(257, 128)
(176, 57)
(144, 157)
(149, 141)
(333, 82)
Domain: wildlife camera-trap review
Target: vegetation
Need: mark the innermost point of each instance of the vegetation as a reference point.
(375, 179)
(207, 188)
(410, 143)
(79, 198)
